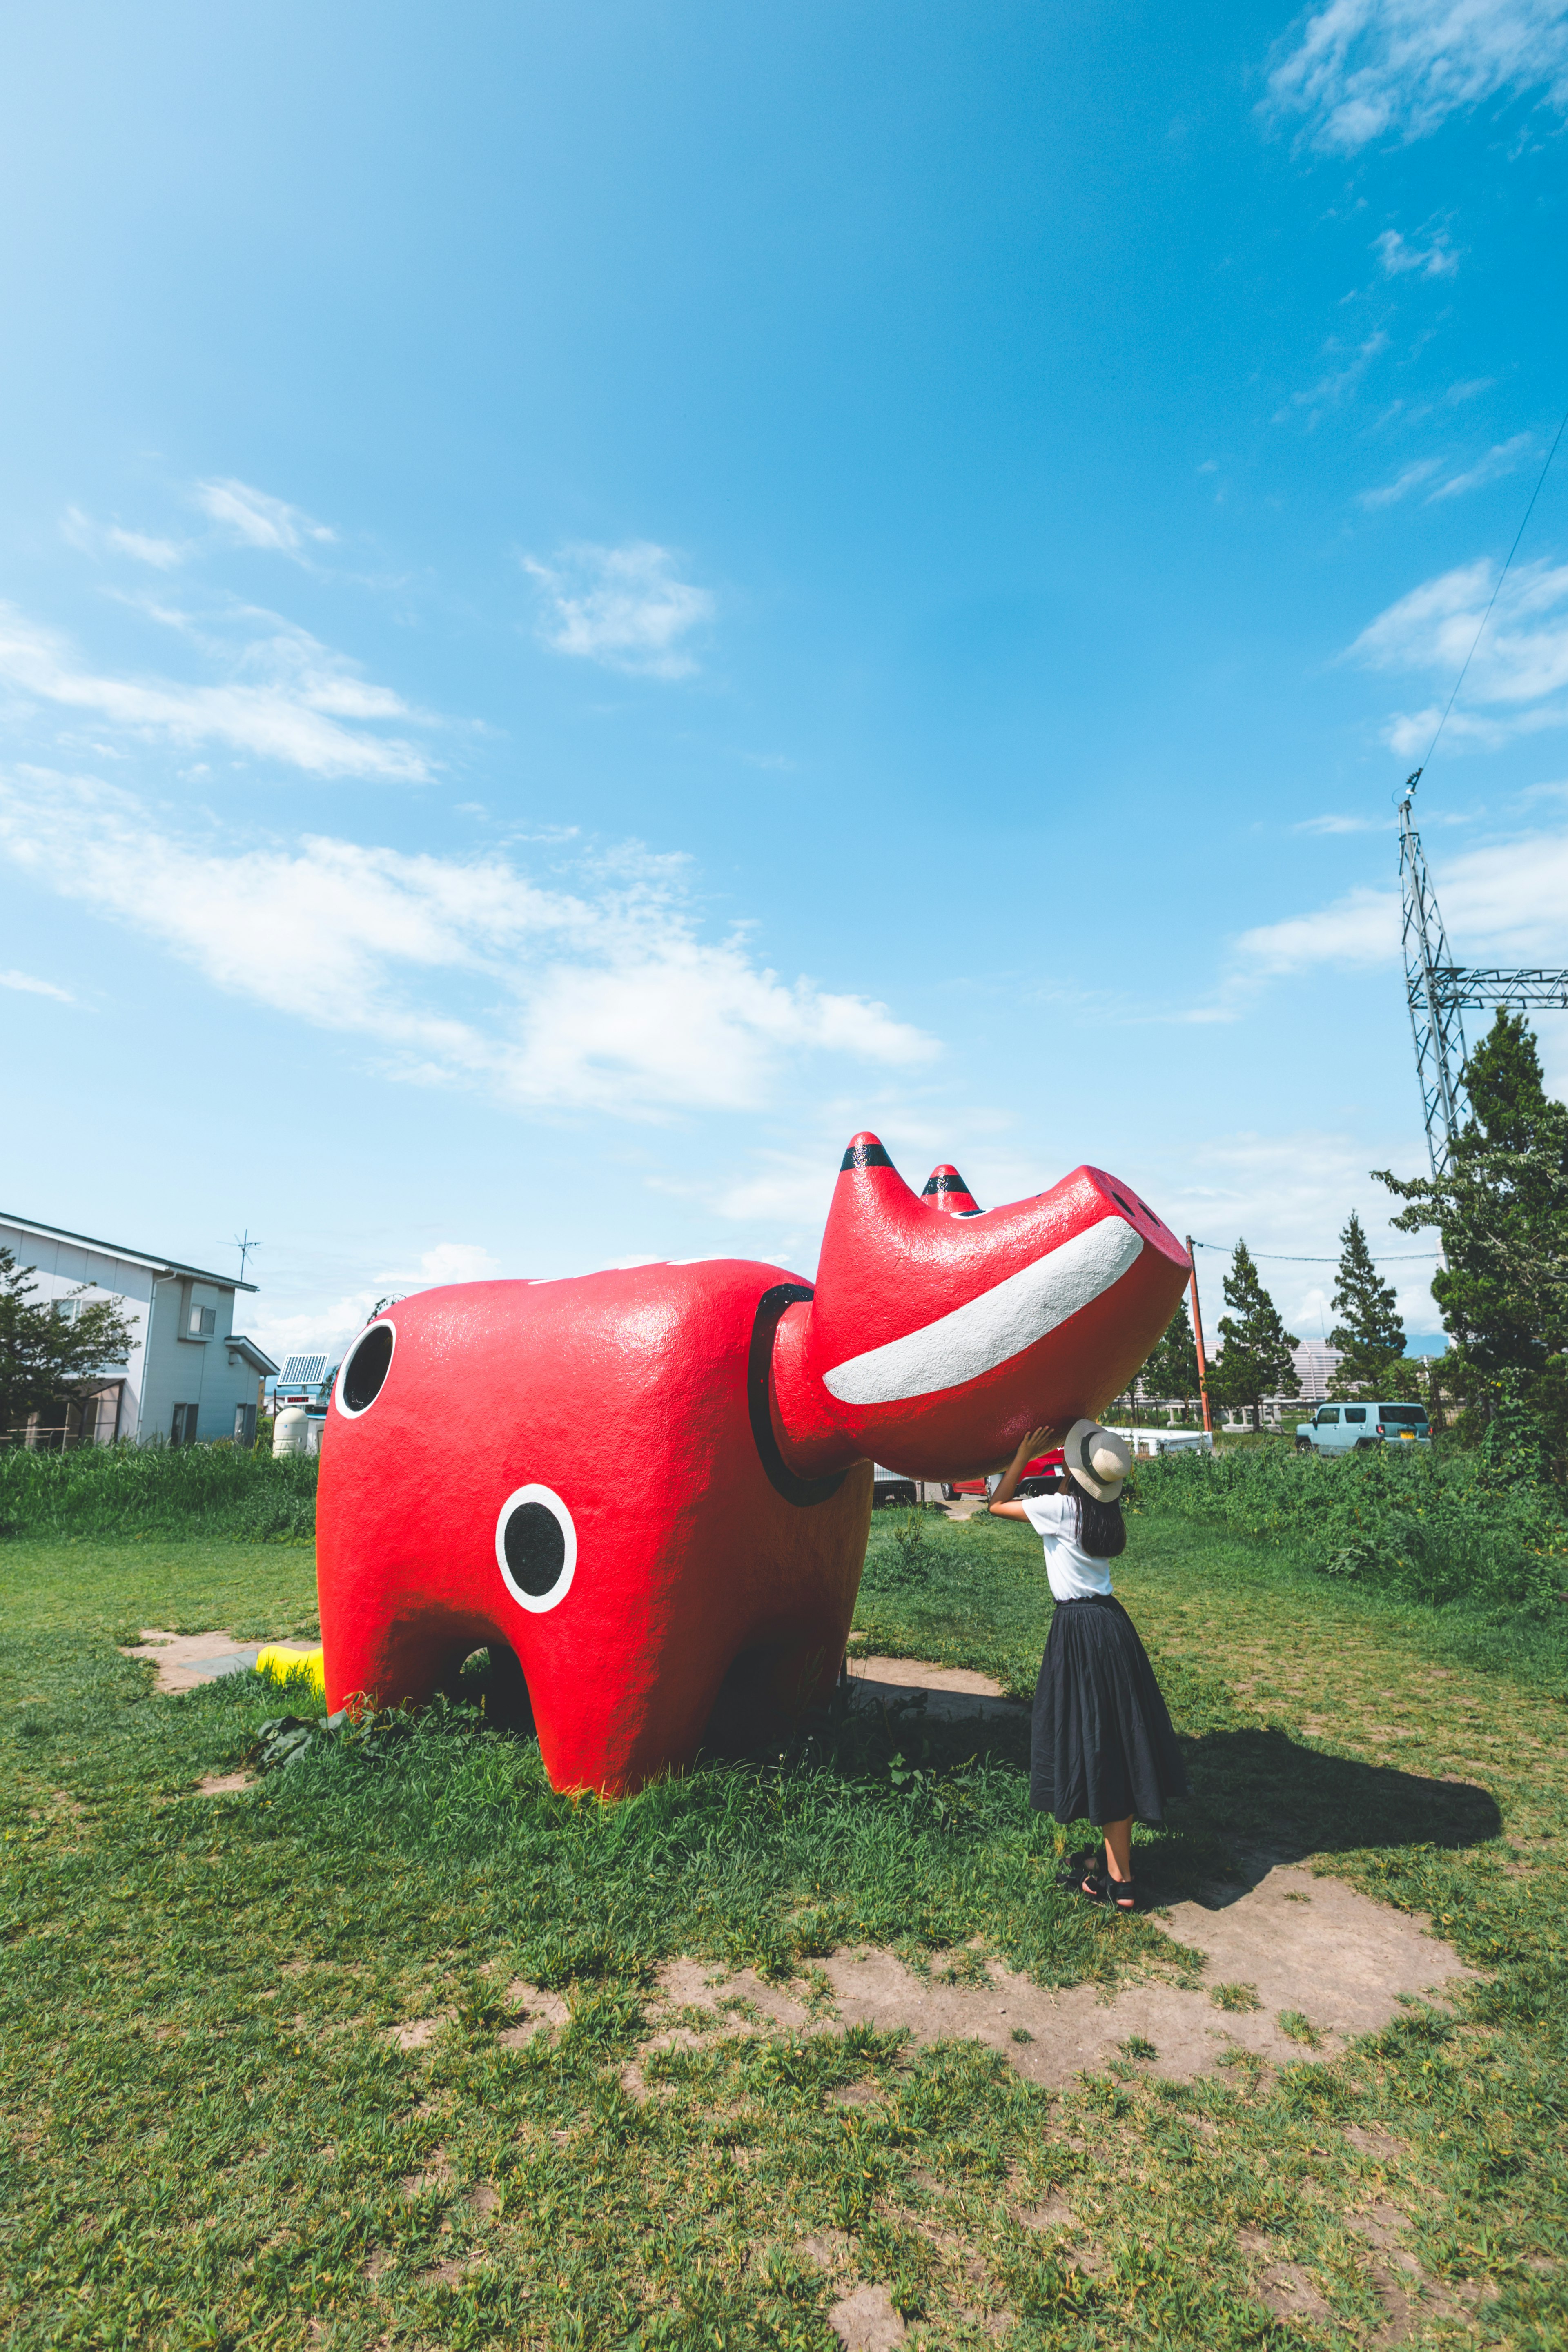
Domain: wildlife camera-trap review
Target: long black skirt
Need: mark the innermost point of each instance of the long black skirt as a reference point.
(1104, 1747)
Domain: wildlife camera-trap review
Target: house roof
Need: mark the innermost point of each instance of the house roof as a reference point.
(130, 1257)
(256, 1358)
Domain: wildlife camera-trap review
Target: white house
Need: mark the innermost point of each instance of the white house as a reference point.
(188, 1372)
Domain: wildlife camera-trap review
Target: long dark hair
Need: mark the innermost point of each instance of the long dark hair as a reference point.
(1101, 1530)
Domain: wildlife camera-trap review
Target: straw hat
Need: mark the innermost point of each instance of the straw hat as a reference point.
(1099, 1461)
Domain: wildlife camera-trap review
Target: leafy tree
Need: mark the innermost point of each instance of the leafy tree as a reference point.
(1254, 1361)
(46, 1355)
(1501, 1208)
(1172, 1370)
(1370, 1334)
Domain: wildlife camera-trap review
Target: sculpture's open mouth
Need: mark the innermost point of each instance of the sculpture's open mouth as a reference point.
(998, 1325)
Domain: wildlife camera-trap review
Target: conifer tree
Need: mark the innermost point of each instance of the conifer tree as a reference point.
(1370, 1333)
(1501, 1208)
(1255, 1360)
(1172, 1370)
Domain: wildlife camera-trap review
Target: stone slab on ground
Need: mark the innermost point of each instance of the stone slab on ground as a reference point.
(1310, 1945)
(951, 1691)
(185, 1660)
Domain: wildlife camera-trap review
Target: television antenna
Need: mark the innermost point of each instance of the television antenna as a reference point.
(244, 1244)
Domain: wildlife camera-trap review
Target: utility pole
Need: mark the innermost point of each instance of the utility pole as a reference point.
(1437, 990)
(1198, 1336)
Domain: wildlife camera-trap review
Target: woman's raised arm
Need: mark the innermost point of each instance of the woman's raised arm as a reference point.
(1002, 1506)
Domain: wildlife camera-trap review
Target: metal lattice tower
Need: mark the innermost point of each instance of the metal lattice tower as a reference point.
(1437, 990)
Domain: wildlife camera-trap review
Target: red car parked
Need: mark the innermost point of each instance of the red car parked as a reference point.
(1040, 1474)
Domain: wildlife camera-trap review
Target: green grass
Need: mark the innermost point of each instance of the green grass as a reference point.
(214, 2140)
(1428, 1523)
(185, 1493)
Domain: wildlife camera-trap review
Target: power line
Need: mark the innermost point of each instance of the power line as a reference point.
(1497, 592)
(1280, 1257)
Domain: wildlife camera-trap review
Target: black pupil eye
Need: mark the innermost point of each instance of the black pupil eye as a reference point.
(535, 1548)
(367, 1368)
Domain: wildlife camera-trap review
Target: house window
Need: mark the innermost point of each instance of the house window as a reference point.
(185, 1429)
(204, 1322)
(68, 1310)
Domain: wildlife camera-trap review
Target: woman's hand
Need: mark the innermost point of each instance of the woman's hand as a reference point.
(1032, 1442)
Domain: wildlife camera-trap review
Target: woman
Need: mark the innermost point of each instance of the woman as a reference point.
(1103, 1744)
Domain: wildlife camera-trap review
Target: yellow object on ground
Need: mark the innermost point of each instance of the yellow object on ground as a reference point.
(279, 1659)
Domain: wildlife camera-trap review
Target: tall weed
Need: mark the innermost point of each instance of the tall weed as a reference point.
(147, 1490)
(1425, 1523)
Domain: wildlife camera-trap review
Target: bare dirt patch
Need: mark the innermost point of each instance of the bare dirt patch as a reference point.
(1339, 1958)
(415, 2032)
(534, 2011)
(865, 2321)
(1285, 2288)
(224, 1784)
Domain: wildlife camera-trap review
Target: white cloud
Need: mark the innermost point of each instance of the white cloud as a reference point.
(257, 520)
(1506, 903)
(1324, 824)
(333, 1323)
(448, 1262)
(26, 985)
(622, 606)
(1436, 260)
(1289, 1196)
(1520, 662)
(1501, 459)
(1389, 493)
(1359, 68)
(94, 538)
(1338, 383)
(609, 1000)
(1362, 928)
(285, 701)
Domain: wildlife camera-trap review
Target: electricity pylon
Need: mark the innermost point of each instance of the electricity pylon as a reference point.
(1437, 990)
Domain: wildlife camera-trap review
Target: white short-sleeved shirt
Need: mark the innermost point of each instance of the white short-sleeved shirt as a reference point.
(1074, 1574)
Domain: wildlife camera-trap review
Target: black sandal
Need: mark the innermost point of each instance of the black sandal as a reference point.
(1116, 1893)
(1075, 1868)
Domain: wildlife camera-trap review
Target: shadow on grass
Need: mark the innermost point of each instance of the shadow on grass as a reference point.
(1260, 1798)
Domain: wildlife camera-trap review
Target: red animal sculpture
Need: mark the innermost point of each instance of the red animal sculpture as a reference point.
(647, 1484)
(946, 1190)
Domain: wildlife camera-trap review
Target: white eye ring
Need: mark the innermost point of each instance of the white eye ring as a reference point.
(367, 1338)
(525, 1589)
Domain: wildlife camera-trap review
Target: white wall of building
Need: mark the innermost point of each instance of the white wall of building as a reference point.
(170, 1361)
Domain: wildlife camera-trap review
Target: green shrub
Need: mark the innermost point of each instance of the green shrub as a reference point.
(1428, 1523)
(136, 1490)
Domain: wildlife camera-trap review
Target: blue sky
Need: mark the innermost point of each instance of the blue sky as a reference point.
(596, 599)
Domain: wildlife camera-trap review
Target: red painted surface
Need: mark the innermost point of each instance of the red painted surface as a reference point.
(1039, 1466)
(945, 1189)
(703, 1554)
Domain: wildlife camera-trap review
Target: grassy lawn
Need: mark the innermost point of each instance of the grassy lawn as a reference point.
(269, 2073)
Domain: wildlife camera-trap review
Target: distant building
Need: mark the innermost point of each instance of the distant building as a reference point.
(1316, 1363)
(188, 1372)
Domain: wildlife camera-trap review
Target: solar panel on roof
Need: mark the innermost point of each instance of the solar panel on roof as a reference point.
(304, 1370)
